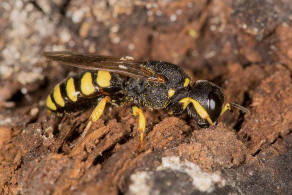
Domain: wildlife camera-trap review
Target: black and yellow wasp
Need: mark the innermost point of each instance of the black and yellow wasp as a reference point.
(152, 84)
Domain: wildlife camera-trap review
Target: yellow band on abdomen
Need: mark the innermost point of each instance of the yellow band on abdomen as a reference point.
(70, 90)
(58, 96)
(87, 87)
(103, 78)
(50, 104)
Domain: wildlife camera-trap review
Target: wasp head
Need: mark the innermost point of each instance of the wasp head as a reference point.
(205, 102)
(208, 104)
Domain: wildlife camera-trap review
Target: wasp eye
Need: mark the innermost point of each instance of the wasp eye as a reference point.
(212, 104)
(214, 99)
(215, 103)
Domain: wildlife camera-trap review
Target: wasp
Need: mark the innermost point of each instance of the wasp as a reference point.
(152, 84)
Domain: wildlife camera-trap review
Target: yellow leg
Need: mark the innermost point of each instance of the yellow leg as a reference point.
(97, 112)
(198, 107)
(142, 121)
(225, 108)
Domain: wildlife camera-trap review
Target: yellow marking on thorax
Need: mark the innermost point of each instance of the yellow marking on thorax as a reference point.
(70, 90)
(103, 78)
(58, 96)
(187, 82)
(171, 92)
(87, 87)
(50, 103)
(198, 107)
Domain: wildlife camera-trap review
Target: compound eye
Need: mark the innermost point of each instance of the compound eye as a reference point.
(212, 104)
(213, 99)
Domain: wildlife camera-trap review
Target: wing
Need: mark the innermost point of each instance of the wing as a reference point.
(124, 66)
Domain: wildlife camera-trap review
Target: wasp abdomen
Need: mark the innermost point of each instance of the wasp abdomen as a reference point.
(74, 90)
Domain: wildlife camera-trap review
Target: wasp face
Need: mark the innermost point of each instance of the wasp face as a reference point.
(211, 99)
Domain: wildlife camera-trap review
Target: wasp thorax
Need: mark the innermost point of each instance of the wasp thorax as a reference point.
(210, 97)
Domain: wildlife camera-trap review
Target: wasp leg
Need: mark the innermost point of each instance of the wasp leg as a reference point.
(96, 113)
(141, 123)
(225, 108)
(198, 107)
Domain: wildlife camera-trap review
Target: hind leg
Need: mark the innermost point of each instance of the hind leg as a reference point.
(96, 113)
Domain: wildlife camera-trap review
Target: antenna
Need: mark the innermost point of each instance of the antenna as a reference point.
(228, 106)
(243, 109)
